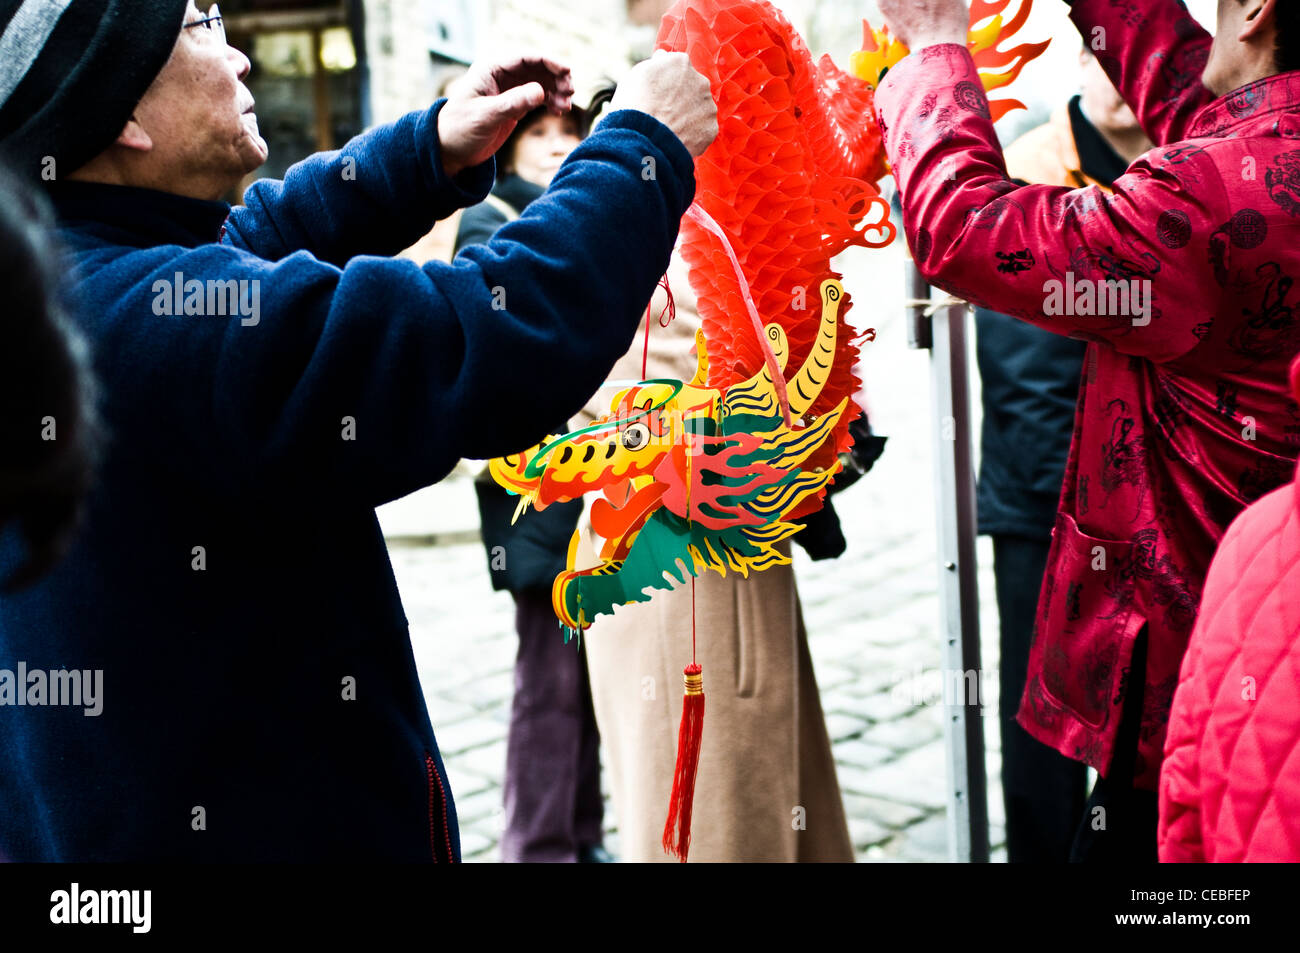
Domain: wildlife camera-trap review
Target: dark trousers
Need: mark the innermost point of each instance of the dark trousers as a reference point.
(553, 805)
(1119, 823)
(1042, 789)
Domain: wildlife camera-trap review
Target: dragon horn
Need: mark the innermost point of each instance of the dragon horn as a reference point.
(807, 385)
(757, 394)
(779, 344)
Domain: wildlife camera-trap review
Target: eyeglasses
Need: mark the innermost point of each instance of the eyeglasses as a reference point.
(212, 23)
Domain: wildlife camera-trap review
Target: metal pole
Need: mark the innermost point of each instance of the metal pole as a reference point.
(944, 335)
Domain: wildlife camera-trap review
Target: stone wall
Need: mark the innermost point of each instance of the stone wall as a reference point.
(397, 51)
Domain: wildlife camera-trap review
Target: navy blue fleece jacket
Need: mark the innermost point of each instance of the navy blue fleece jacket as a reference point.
(260, 700)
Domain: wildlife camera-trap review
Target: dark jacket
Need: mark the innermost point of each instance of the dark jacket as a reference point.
(1030, 376)
(530, 553)
(231, 580)
(480, 222)
(1030, 380)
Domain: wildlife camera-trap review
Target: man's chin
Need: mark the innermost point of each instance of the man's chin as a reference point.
(254, 153)
(253, 134)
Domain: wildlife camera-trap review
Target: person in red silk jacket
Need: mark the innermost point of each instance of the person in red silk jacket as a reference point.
(1185, 416)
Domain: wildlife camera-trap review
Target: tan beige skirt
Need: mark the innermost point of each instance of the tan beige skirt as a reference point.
(766, 789)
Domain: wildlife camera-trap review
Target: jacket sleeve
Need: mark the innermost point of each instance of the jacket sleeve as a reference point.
(376, 196)
(370, 381)
(1154, 53)
(1030, 251)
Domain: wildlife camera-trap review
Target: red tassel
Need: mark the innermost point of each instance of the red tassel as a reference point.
(677, 829)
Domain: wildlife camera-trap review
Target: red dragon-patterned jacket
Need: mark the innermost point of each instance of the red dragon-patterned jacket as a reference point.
(1185, 415)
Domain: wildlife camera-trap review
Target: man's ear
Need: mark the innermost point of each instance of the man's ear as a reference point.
(1261, 15)
(133, 136)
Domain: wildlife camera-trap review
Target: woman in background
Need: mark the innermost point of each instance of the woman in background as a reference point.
(553, 805)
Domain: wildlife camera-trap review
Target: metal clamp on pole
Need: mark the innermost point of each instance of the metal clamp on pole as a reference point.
(920, 334)
(939, 326)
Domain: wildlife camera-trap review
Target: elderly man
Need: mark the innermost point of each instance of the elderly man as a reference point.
(1181, 282)
(268, 378)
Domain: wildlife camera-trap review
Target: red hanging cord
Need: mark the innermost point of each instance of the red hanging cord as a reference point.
(693, 620)
(705, 221)
(669, 309)
(645, 353)
(681, 802)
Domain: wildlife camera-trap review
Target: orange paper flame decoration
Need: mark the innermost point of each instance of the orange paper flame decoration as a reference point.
(881, 52)
(790, 180)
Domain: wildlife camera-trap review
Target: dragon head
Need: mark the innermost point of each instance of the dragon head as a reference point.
(630, 443)
(702, 475)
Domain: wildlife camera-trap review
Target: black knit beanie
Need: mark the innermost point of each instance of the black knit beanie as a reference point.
(71, 74)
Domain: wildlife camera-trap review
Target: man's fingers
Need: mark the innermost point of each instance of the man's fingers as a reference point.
(562, 95)
(506, 76)
(559, 105)
(558, 70)
(563, 75)
(517, 103)
(554, 77)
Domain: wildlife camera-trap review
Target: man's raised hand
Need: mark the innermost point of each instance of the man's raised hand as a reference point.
(484, 106)
(667, 87)
(921, 23)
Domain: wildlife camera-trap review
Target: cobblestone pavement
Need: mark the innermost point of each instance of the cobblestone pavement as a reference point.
(872, 618)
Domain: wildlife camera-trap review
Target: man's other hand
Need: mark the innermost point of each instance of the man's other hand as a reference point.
(667, 87)
(921, 23)
(485, 105)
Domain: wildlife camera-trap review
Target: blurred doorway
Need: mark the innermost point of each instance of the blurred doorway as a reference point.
(308, 76)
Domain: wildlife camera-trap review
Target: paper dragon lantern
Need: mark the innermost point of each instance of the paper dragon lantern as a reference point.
(691, 474)
(714, 473)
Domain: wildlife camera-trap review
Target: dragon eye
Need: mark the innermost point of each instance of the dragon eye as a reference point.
(636, 436)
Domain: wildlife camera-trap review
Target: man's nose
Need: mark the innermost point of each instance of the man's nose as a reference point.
(242, 64)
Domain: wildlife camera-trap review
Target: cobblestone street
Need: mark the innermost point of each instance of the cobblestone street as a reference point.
(872, 618)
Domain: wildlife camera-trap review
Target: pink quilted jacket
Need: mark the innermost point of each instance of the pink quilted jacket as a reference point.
(1230, 786)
